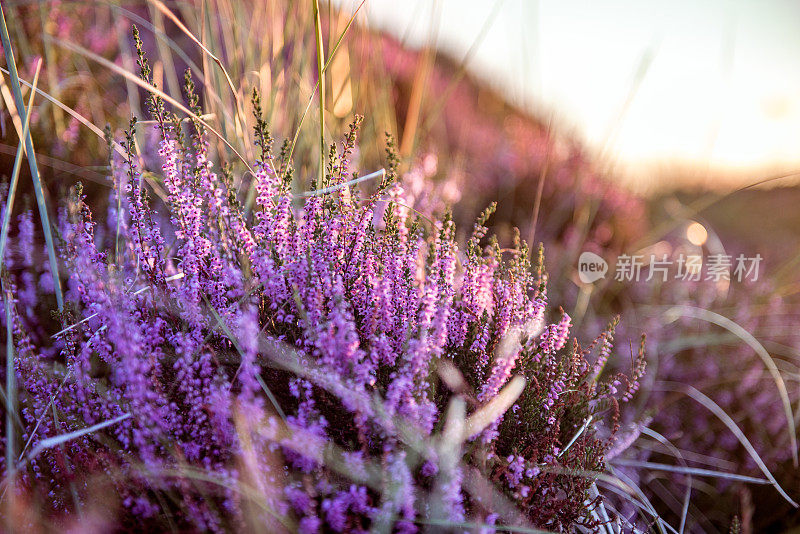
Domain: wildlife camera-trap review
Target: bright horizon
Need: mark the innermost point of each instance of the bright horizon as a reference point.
(713, 85)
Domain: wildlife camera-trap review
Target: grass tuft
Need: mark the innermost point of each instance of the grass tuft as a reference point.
(37, 182)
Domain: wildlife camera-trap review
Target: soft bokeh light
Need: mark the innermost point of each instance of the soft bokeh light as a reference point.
(697, 234)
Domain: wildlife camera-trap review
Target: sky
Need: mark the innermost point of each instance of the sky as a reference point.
(710, 83)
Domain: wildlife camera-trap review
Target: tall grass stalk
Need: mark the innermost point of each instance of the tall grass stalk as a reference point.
(166, 11)
(689, 481)
(37, 182)
(321, 83)
(12, 188)
(51, 72)
(758, 348)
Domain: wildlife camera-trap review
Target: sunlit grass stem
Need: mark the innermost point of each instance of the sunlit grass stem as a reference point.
(321, 81)
(37, 183)
(12, 188)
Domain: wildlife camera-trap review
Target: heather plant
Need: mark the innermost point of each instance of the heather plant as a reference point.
(318, 362)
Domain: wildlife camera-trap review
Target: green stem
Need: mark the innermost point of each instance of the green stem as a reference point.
(12, 188)
(37, 183)
(11, 389)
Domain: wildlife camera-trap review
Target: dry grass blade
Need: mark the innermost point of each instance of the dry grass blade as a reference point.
(419, 86)
(537, 203)
(80, 118)
(19, 125)
(250, 458)
(69, 436)
(341, 82)
(438, 107)
(747, 337)
(677, 453)
(59, 165)
(449, 454)
(714, 408)
(418, 89)
(692, 471)
(37, 182)
(372, 176)
(12, 187)
(618, 483)
(577, 435)
(173, 46)
(479, 527)
(640, 500)
(600, 513)
(243, 489)
(170, 74)
(484, 490)
(149, 87)
(92, 316)
(496, 407)
(166, 11)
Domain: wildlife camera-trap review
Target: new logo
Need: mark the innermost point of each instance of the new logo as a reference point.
(591, 267)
